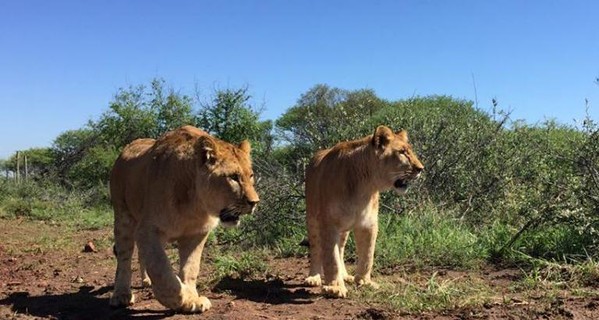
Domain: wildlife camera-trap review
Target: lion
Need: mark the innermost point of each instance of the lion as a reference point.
(342, 194)
(176, 188)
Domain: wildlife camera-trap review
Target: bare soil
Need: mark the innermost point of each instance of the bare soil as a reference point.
(46, 273)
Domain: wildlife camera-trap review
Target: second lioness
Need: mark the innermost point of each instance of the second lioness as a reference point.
(342, 194)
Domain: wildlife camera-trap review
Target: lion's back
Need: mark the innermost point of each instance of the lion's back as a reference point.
(151, 170)
(326, 175)
(127, 175)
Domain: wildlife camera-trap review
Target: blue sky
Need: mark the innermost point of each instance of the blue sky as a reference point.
(62, 61)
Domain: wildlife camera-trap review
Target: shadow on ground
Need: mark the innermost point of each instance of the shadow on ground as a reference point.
(84, 304)
(273, 291)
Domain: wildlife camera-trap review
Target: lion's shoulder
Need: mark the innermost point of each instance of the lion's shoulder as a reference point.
(339, 155)
(179, 143)
(136, 148)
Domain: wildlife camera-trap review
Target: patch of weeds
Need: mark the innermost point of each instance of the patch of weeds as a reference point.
(431, 293)
(225, 236)
(586, 273)
(104, 242)
(246, 265)
(93, 219)
(585, 292)
(551, 277)
(290, 247)
(427, 238)
(13, 207)
(532, 280)
(50, 242)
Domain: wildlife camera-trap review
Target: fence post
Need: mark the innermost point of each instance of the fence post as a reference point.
(18, 173)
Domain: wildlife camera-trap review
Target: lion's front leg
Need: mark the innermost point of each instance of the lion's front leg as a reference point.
(333, 285)
(365, 242)
(123, 249)
(190, 255)
(168, 289)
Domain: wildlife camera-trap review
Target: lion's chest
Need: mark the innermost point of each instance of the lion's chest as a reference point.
(182, 226)
(349, 214)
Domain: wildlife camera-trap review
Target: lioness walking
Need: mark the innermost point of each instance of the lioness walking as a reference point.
(176, 188)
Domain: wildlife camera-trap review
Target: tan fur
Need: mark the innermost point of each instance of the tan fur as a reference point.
(175, 189)
(342, 194)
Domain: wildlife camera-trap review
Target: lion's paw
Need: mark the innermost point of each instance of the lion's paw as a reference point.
(335, 291)
(122, 300)
(313, 281)
(349, 279)
(146, 283)
(196, 305)
(367, 282)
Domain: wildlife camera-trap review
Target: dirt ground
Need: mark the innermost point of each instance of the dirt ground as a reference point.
(44, 274)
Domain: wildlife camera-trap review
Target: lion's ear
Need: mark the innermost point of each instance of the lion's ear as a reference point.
(245, 146)
(382, 137)
(403, 135)
(207, 149)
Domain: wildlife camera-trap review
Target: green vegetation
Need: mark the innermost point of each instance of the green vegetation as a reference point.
(56, 204)
(428, 293)
(246, 265)
(494, 190)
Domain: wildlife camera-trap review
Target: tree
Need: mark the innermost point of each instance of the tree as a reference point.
(229, 116)
(93, 169)
(324, 116)
(4, 168)
(138, 113)
(40, 161)
(69, 148)
(173, 110)
(84, 157)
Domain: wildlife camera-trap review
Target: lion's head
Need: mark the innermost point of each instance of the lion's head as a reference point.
(399, 164)
(207, 173)
(230, 176)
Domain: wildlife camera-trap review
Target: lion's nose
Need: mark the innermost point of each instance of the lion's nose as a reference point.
(253, 202)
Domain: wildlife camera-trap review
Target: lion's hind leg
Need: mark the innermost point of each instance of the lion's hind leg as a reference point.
(123, 249)
(314, 277)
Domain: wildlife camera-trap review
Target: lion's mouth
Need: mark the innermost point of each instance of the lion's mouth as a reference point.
(400, 184)
(229, 216)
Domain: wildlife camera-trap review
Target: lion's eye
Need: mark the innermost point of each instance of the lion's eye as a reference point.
(234, 177)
